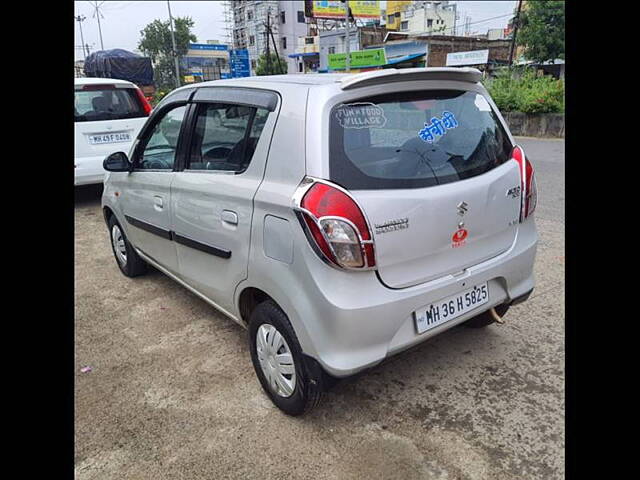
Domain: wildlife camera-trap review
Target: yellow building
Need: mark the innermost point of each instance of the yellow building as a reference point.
(394, 12)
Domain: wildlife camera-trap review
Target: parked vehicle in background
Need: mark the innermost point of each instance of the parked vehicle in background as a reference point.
(108, 115)
(121, 64)
(340, 218)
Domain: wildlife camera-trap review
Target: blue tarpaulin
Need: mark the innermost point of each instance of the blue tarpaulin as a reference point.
(120, 64)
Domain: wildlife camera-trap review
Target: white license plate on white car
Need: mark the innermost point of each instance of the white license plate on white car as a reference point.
(116, 137)
(451, 307)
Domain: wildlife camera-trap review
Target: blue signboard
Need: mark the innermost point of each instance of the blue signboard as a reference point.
(207, 46)
(239, 63)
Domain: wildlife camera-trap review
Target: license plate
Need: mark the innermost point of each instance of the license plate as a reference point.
(451, 307)
(109, 138)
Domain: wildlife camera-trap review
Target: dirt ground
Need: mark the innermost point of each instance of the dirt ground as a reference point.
(172, 392)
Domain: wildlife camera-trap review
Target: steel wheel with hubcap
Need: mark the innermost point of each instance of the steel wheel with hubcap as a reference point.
(293, 382)
(119, 247)
(276, 360)
(127, 259)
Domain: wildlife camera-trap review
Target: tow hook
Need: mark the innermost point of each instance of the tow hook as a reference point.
(496, 317)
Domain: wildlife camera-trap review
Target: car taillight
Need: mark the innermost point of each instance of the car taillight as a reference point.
(527, 183)
(143, 101)
(338, 227)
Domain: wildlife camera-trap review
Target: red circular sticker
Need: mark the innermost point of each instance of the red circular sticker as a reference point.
(460, 235)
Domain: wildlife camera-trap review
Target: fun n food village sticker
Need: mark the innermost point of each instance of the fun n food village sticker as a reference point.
(438, 127)
(360, 115)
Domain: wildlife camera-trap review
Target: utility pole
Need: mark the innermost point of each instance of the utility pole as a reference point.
(173, 42)
(80, 19)
(267, 39)
(516, 21)
(347, 37)
(275, 47)
(97, 14)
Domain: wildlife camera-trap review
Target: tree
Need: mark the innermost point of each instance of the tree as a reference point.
(266, 68)
(541, 30)
(155, 42)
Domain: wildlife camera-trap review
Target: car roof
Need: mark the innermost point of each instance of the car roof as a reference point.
(100, 81)
(269, 80)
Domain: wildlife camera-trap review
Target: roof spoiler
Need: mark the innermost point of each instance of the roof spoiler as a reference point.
(389, 75)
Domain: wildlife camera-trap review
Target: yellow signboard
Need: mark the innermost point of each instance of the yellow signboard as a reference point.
(189, 79)
(335, 9)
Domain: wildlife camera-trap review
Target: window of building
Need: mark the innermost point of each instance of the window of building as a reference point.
(282, 17)
(391, 19)
(252, 40)
(308, 41)
(429, 23)
(404, 25)
(284, 43)
(301, 18)
(332, 50)
(253, 64)
(249, 15)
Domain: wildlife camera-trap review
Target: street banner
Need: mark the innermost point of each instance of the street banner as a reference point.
(334, 9)
(473, 57)
(239, 63)
(358, 59)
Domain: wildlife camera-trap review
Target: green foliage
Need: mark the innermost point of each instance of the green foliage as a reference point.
(155, 42)
(263, 67)
(541, 30)
(159, 95)
(525, 91)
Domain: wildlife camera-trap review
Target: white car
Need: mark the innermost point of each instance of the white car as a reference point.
(108, 114)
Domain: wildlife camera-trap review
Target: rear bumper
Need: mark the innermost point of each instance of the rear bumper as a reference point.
(357, 322)
(88, 170)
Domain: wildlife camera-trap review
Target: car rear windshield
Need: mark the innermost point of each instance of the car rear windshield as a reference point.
(107, 104)
(414, 139)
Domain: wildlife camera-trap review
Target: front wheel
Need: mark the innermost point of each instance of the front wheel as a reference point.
(279, 363)
(127, 259)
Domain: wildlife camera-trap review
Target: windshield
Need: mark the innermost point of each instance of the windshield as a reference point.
(414, 139)
(107, 104)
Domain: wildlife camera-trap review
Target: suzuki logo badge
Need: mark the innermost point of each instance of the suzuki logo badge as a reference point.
(462, 208)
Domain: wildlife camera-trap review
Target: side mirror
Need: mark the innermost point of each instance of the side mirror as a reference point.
(117, 162)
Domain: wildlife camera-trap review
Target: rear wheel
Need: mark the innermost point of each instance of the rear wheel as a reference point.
(127, 259)
(485, 319)
(283, 372)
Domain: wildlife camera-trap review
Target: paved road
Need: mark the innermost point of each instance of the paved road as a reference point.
(172, 393)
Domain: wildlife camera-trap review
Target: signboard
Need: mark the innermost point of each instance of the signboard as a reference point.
(208, 46)
(473, 57)
(239, 63)
(358, 59)
(335, 9)
(189, 79)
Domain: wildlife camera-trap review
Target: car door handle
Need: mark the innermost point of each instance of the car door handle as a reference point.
(157, 202)
(230, 217)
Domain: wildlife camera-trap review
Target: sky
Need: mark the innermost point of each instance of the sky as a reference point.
(121, 22)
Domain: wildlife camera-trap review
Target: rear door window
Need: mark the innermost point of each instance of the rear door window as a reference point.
(107, 104)
(414, 139)
(225, 136)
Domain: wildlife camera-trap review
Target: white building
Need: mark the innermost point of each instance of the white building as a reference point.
(286, 20)
(438, 18)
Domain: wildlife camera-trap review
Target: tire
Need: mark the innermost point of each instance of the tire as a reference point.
(128, 261)
(485, 319)
(305, 385)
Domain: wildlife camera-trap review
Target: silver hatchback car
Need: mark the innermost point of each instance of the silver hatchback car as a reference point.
(339, 218)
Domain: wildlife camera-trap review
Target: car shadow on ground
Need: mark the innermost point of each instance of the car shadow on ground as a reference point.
(87, 195)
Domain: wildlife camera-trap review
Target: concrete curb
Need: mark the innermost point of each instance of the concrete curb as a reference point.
(535, 124)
